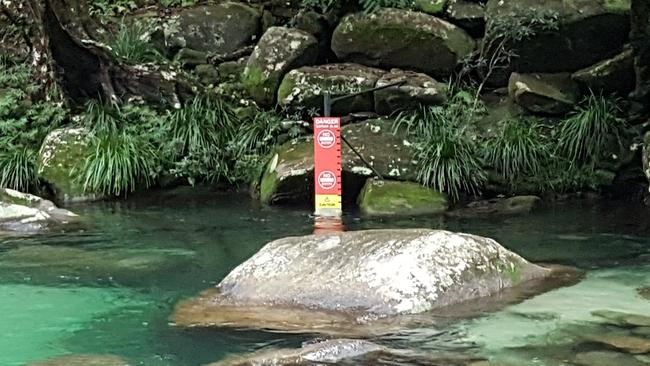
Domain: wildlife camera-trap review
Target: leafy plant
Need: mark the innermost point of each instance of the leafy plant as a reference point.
(584, 135)
(368, 6)
(448, 159)
(521, 149)
(131, 42)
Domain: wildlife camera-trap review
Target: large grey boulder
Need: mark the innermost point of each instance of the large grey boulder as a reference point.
(305, 87)
(613, 75)
(218, 28)
(402, 39)
(288, 177)
(279, 50)
(354, 277)
(589, 31)
(23, 212)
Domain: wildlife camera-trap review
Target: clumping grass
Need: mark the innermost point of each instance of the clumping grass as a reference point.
(448, 160)
(18, 168)
(584, 135)
(119, 163)
(520, 149)
(131, 43)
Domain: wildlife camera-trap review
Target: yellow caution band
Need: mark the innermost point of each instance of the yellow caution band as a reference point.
(328, 201)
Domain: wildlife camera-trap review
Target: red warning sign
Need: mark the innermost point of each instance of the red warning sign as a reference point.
(327, 165)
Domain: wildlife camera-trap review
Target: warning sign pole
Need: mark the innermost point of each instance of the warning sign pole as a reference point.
(327, 166)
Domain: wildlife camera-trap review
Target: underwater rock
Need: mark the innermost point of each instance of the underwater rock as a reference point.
(498, 206)
(121, 265)
(403, 39)
(60, 152)
(645, 292)
(352, 279)
(288, 177)
(384, 197)
(329, 351)
(279, 50)
(547, 94)
(23, 212)
(81, 360)
(622, 319)
(629, 344)
(606, 358)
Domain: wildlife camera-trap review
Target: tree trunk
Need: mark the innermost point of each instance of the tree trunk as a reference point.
(640, 37)
(66, 51)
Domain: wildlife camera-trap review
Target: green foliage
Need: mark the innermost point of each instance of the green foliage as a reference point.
(584, 135)
(448, 159)
(113, 8)
(23, 125)
(131, 43)
(202, 132)
(367, 5)
(521, 149)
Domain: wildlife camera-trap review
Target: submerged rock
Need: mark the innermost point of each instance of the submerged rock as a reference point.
(330, 351)
(122, 265)
(580, 40)
(60, 153)
(606, 358)
(626, 343)
(418, 90)
(279, 50)
(549, 94)
(288, 177)
(498, 206)
(351, 279)
(645, 292)
(81, 360)
(384, 197)
(623, 319)
(24, 212)
(613, 75)
(305, 87)
(402, 39)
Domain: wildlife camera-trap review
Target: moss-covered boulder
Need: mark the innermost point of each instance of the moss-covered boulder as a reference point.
(219, 28)
(81, 360)
(469, 15)
(305, 87)
(402, 39)
(385, 198)
(418, 90)
(548, 94)
(355, 279)
(288, 177)
(279, 50)
(613, 75)
(62, 151)
(588, 31)
(25, 213)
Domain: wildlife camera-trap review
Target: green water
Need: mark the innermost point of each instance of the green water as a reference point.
(111, 288)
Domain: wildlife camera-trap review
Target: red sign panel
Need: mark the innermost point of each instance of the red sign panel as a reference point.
(327, 165)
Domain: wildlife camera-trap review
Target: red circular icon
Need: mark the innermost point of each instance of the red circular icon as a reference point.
(327, 180)
(326, 139)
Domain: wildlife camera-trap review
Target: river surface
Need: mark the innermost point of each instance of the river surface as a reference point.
(111, 288)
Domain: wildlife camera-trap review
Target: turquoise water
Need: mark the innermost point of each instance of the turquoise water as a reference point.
(111, 288)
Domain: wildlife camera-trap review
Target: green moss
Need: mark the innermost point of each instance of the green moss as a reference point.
(430, 6)
(268, 184)
(258, 86)
(514, 274)
(286, 87)
(400, 198)
(618, 6)
(15, 200)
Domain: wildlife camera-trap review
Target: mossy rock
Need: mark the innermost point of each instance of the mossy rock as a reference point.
(60, 154)
(547, 94)
(288, 177)
(26, 213)
(418, 90)
(402, 39)
(387, 198)
(219, 28)
(468, 15)
(279, 50)
(589, 32)
(613, 75)
(432, 7)
(305, 87)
